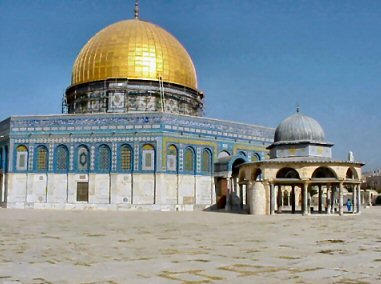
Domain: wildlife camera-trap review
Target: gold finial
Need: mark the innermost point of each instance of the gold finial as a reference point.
(136, 10)
(297, 108)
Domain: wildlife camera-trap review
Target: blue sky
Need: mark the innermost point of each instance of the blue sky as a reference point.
(255, 60)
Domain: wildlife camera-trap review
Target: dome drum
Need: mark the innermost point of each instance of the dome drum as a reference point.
(133, 66)
(122, 96)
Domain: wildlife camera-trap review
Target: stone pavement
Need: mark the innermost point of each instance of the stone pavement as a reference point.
(52, 246)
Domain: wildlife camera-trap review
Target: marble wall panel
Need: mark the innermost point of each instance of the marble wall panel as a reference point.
(204, 189)
(99, 185)
(16, 187)
(57, 188)
(186, 189)
(36, 188)
(167, 188)
(143, 189)
(121, 185)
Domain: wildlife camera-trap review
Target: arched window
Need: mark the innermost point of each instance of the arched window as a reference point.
(351, 174)
(83, 159)
(104, 156)
(288, 173)
(62, 158)
(256, 175)
(206, 161)
(255, 157)
(42, 159)
(172, 158)
(22, 158)
(242, 153)
(323, 172)
(148, 156)
(125, 158)
(189, 160)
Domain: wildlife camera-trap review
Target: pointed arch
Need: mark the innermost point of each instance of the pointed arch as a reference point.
(83, 158)
(125, 154)
(104, 158)
(41, 162)
(172, 158)
(242, 153)
(255, 157)
(235, 163)
(189, 161)
(22, 154)
(351, 174)
(324, 172)
(256, 175)
(62, 158)
(206, 161)
(148, 157)
(288, 173)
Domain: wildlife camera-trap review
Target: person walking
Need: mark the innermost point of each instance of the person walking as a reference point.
(349, 205)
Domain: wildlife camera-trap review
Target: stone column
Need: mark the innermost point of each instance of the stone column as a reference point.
(272, 199)
(293, 199)
(305, 199)
(320, 201)
(228, 192)
(240, 196)
(328, 199)
(333, 189)
(250, 196)
(279, 199)
(354, 199)
(341, 193)
(257, 199)
(358, 198)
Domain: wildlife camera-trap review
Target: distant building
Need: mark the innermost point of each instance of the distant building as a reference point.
(372, 180)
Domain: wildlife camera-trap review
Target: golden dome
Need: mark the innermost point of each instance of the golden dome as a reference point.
(134, 49)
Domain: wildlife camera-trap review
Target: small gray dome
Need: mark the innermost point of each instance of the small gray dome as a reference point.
(299, 127)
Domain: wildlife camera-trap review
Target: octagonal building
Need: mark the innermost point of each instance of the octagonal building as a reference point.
(131, 136)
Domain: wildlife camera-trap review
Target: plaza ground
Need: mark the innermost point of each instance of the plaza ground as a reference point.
(42, 246)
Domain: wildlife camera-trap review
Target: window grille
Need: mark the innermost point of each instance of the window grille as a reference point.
(62, 158)
(125, 157)
(189, 160)
(104, 158)
(42, 158)
(206, 161)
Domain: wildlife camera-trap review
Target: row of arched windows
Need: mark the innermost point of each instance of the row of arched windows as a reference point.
(189, 159)
(103, 158)
(82, 156)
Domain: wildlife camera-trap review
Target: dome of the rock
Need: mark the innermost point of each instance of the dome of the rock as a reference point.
(134, 49)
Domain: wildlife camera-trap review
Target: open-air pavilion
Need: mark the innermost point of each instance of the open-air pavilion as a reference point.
(300, 167)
